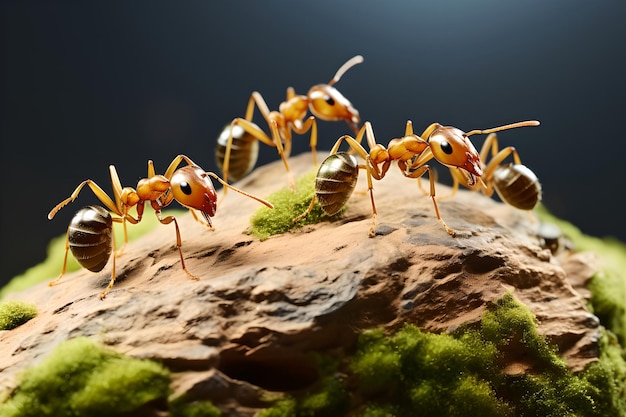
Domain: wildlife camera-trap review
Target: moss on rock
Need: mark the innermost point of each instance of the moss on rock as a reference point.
(288, 205)
(80, 378)
(15, 313)
(415, 373)
(608, 287)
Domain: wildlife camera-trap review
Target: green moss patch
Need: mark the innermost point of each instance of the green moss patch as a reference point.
(181, 408)
(80, 378)
(287, 206)
(608, 287)
(15, 313)
(329, 399)
(51, 267)
(415, 373)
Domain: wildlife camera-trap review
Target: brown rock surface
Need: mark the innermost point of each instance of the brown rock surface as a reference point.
(260, 307)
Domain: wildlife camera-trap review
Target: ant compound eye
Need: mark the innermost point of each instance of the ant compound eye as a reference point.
(446, 147)
(185, 187)
(329, 100)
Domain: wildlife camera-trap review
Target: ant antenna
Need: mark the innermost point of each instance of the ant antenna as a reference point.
(505, 127)
(345, 67)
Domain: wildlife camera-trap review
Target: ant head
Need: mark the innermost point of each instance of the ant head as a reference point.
(451, 147)
(192, 187)
(327, 103)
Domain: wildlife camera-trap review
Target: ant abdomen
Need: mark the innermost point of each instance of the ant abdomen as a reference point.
(244, 151)
(90, 237)
(335, 181)
(517, 186)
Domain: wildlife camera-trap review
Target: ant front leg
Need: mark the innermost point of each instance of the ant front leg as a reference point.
(419, 172)
(168, 220)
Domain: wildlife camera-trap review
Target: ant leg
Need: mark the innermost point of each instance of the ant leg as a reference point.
(64, 269)
(371, 172)
(490, 144)
(370, 168)
(261, 136)
(113, 276)
(279, 147)
(257, 99)
(417, 174)
(130, 219)
(168, 220)
(308, 210)
(497, 156)
(310, 124)
(99, 193)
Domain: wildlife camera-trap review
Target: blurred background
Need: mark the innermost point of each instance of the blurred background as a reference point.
(88, 84)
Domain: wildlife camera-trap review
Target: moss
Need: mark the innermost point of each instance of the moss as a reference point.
(51, 267)
(380, 411)
(608, 287)
(80, 378)
(418, 373)
(508, 320)
(15, 313)
(376, 363)
(413, 373)
(287, 407)
(288, 205)
(607, 377)
(329, 399)
(193, 409)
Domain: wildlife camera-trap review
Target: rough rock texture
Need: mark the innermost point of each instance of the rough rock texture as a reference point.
(260, 307)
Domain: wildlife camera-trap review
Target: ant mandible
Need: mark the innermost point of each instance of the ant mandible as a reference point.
(189, 185)
(237, 146)
(446, 144)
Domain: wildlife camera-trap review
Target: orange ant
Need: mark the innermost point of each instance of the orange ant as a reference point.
(237, 144)
(448, 145)
(189, 185)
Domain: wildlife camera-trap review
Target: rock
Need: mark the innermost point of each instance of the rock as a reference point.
(260, 307)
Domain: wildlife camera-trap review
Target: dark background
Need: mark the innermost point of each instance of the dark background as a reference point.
(88, 84)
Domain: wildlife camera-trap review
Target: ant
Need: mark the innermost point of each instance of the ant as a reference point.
(237, 146)
(446, 144)
(189, 185)
(514, 182)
